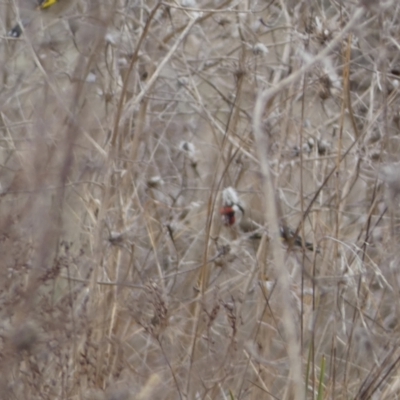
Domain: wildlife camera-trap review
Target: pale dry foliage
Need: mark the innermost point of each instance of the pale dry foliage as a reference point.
(122, 122)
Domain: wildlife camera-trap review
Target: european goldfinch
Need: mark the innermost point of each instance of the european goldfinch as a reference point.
(30, 9)
(235, 215)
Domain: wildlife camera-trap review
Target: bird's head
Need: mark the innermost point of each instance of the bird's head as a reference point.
(232, 210)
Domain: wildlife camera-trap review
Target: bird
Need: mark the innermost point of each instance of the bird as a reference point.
(234, 214)
(29, 10)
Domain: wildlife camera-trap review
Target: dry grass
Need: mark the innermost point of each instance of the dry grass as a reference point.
(121, 122)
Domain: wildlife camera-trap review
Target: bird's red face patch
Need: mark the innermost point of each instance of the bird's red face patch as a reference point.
(228, 215)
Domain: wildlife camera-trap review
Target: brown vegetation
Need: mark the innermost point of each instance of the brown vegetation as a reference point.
(121, 124)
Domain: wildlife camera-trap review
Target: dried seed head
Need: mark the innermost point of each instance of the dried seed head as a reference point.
(183, 81)
(308, 145)
(190, 152)
(188, 148)
(260, 49)
(116, 238)
(324, 147)
(325, 84)
(112, 37)
(322, 31)
(155, 181)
